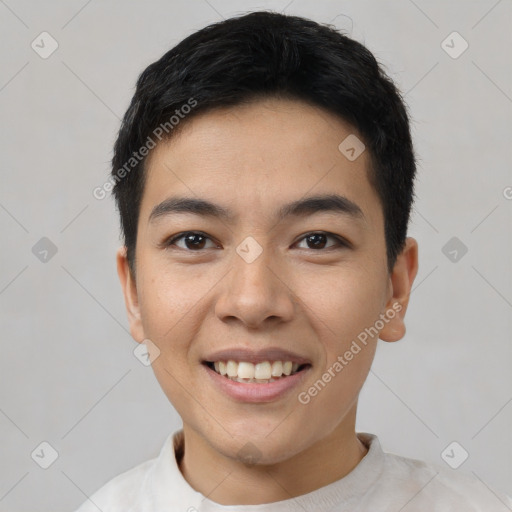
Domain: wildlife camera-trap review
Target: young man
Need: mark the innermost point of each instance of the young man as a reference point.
(264, 176)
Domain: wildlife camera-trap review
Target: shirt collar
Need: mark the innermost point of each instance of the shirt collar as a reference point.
(166, 488)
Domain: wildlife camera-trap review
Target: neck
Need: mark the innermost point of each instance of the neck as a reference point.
(226, 480)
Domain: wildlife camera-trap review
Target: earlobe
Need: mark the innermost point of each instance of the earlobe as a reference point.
(130, 295)
(401, 281)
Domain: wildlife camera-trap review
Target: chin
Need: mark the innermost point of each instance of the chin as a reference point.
(257, 444)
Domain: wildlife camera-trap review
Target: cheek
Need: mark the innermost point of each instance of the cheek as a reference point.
(334, 393)
(343, 307)
(170, 299)
(343, 303)
(341, 318)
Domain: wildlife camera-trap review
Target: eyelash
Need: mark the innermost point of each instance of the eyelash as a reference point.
(341, 242)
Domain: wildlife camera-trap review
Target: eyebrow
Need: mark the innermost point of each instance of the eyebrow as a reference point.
(330, 203)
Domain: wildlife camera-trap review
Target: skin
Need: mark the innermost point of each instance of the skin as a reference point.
(313, 301)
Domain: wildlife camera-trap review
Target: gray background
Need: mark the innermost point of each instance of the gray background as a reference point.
(67, 370)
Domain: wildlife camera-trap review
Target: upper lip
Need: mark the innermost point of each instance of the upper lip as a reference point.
(256, 356)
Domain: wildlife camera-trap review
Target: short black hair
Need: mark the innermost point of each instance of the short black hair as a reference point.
(266, 54)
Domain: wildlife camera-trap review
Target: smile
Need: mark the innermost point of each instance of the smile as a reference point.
(263, 372)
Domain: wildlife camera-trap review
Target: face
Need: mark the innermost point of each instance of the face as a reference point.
(274, 281)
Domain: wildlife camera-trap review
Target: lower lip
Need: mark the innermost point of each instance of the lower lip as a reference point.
(254, 392)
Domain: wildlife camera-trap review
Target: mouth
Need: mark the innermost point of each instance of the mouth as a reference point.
(263, 372)
(256, 376)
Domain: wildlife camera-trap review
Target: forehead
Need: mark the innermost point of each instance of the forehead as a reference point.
(255, 158)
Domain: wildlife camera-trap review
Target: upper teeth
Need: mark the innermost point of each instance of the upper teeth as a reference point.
(260, 371)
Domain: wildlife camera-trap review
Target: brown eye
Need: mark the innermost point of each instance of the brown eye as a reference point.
(193, 241)
(318, 241)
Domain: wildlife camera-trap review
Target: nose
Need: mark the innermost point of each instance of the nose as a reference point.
(255, 294)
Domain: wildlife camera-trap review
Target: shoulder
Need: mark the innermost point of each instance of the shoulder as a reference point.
(133, 490)
(429, 486)
(122, 493)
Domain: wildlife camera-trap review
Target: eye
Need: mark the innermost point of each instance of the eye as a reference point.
(318, 240)
(193, 240)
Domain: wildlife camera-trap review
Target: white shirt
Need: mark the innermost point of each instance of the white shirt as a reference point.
(381, 482)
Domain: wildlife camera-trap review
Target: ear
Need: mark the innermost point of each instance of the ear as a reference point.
(400, 284)
(130, 295)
